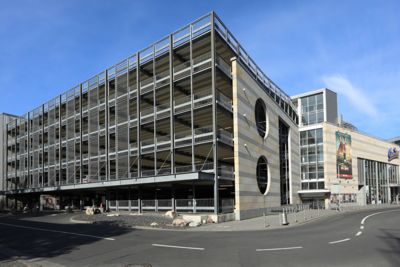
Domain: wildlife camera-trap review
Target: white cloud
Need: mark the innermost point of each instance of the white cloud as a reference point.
(354, 95)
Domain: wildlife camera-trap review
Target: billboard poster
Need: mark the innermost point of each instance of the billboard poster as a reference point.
(49, 202)
(343, 156)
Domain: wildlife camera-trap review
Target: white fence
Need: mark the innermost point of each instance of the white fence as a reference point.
(180, 205)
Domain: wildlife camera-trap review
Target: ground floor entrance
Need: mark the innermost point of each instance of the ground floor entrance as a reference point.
(193, 197)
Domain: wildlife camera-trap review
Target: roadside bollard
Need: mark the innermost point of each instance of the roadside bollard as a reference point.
(284, 218)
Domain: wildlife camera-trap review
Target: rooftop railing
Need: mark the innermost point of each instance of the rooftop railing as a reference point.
(245, 58)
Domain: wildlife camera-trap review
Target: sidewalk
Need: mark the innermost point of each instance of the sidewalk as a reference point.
(274, 221)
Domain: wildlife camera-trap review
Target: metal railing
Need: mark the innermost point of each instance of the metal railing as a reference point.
(226, 171)
(186, 168)
(182, 205)
(224, 101)
(194, 205)
(200, 101)
(225, 136)
(225, 67)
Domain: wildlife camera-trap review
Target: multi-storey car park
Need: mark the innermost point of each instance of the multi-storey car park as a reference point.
(189, 123)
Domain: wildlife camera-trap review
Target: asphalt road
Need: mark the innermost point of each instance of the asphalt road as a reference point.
(340, 240)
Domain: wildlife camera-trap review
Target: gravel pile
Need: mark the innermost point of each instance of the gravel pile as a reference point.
(129, 220)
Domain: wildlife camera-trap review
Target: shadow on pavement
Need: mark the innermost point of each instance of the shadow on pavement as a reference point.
(23, 239)
(392, 241)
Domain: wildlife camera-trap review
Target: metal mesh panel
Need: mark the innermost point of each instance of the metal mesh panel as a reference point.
(36, 159)
(70, 174)
(22, 146)
(70, 106)
(77, 174)
(63, 175)
(93, 96)
(122, 109)
(94, 144)
(93, 170)
(71, 151)
(85, 173)
(93, 120)
(52, 115)
(122, 137)
(122, 85)
(35, 179)
(123, 165)
(52, 136)
(40, 182)
(24, 181)
(57, 176)
(52, 177)
(36, 123)
(70, 128)
(102, 170)
(51, 156)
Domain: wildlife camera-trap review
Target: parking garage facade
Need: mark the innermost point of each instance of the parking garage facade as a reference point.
(154, 132)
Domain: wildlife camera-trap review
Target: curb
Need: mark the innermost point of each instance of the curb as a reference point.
(298, 224)
(79, 221)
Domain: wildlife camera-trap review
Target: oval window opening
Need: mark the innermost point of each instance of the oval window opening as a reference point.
(261, 118)
(262, 174)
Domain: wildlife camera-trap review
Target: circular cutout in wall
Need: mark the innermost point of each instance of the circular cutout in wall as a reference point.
(261, 117)
(262, 174)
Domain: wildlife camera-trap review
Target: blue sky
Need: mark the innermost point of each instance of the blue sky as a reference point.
(352, 47)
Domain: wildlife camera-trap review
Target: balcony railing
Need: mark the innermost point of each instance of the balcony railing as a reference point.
(225, 67)
(226, 172)
(225, 136)
(224, 101)
(147, 115)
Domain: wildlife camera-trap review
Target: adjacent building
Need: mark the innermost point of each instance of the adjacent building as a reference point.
(339, 164)
(189, 123)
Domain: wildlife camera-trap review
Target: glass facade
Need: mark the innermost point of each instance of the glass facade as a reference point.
(312, 109)
(312, 159)
(377, 176)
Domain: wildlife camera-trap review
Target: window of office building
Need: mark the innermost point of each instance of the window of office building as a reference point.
(312, 109)
(312, 159)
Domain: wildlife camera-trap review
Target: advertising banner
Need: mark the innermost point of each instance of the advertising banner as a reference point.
(49, 202)
(343, 156)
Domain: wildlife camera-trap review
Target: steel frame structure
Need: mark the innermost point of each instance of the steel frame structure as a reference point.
(144, 120)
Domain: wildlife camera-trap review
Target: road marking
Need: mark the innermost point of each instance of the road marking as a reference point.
(55, 231)
(376, 213)
(170, 246)
(373, 214)
(339, 241)
(275, 249)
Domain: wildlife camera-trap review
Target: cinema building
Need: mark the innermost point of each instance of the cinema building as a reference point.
(339, 164)
(189, 123)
